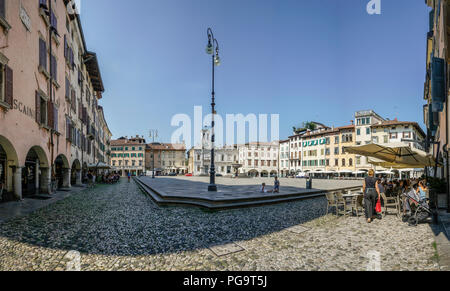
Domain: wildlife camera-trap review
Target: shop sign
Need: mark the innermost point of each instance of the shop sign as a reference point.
(18, 105)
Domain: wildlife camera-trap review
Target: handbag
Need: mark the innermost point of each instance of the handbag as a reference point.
(378, 207)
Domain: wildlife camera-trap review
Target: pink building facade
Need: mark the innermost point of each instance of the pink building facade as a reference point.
(43, 133)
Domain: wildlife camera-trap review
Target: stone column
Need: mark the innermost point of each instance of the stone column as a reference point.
(78, 179)
(45, 180)
(66, 178)
(18, 183)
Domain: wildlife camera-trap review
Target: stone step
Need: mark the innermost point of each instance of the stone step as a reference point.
(230, 203)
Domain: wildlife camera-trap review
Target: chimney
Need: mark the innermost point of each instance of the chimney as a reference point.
(352, 122)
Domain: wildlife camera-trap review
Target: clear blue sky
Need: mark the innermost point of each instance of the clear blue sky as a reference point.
(318, 60)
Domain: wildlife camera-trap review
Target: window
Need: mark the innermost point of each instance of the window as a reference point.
(336, 140)
(336, 162)
(393, 135)
(336, 151)
(407, 135)
(2, 9)
(343, 162)
(42, 54)
(386, 139)
(350, 162)
(41, 110)
(368, 131)
(6, 86)
(358, 131)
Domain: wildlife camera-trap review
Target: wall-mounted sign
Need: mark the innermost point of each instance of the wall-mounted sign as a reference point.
(25, 18)
(17, 105)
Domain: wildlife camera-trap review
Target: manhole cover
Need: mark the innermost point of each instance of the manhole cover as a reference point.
(297, 229)
(227, 249)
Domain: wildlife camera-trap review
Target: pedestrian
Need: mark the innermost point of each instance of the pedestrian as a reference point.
(276, 187)
(129, 177)
(371, 195)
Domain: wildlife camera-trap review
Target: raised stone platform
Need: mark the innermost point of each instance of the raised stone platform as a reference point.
(233, 193)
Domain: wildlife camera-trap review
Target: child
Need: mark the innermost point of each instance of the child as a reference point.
(276, 188)
(263, 188)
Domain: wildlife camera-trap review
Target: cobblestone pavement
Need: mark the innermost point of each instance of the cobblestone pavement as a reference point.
(119, 228)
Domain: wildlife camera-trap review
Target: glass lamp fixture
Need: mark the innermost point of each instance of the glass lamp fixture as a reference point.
(217, 60)
(209, 49)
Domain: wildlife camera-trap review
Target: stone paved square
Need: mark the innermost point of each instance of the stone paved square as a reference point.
(118, 227)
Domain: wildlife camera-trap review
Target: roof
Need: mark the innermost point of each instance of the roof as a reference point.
(397, 123)
(124, 141)
(166, 147)
(91, 62)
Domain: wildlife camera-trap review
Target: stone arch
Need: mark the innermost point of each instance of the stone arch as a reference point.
(63, 160)
(41, 155)
(76, 175)
(62, 172)
(76, 165)
(34, 168)
(253, 173)
(9, 150)
(8, 161)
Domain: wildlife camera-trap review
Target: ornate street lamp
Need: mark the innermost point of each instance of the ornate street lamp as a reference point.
(213, 45)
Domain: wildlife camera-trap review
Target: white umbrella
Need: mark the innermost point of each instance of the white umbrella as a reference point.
(393, 156)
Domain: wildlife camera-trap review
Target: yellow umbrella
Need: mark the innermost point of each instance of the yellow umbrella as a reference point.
(394, 155)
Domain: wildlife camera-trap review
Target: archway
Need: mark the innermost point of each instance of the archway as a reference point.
(32, 179)
(8, 166)
(273, 173)
(264, 174)
(253, 173)
(75, 176)
(61, 179)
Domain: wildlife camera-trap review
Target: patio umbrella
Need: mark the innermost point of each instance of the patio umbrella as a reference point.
(398, 155)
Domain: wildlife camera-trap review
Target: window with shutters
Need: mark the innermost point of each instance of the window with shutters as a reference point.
(6, 86)
(43, 57)
(2, 82)
(54, 68)
(41, 110)
(3, 21)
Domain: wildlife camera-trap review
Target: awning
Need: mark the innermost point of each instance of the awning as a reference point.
(359, 172)
(393, 156)
(345, 172)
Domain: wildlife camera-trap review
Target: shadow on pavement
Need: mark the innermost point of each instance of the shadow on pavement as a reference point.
(121, 220)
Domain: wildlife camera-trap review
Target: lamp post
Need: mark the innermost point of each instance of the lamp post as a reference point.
(213, 44)
(153, 136)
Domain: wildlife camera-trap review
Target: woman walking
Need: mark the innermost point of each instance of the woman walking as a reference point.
(371, 195)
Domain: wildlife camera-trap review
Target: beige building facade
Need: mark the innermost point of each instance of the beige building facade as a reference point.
(128, 156)
(165, 159)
